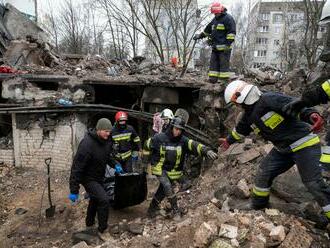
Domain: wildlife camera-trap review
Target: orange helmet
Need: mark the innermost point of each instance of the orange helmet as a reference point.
(217, 8)
(121, 116)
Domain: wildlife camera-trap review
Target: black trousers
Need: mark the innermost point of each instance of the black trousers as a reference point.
(98, 205)
(276, 163)
(127, 165)
(165, 188)
(219, 65)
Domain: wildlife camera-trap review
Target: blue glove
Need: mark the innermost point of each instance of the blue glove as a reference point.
(74, 197)
(135, 158)
(119, 169)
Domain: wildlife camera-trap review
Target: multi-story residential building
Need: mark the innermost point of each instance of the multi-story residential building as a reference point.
(276, 29)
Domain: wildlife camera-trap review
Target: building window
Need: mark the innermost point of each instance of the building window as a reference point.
(263, 29)
(257, 65)
(276, 42)
(265, 16)
(260, 53)
(278, 30)
(261, 41)
(277, 18)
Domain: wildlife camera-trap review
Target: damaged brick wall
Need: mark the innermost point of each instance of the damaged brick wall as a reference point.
(7, 157)
(38, 141)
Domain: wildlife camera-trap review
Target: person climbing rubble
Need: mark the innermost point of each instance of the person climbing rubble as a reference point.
(221, 33)
(294, 140)
(168, 151)
(126, 142)
(88, 169)
(318, 94)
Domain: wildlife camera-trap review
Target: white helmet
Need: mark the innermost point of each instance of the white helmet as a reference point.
(325, 17)
(167, 114)
(240, 92)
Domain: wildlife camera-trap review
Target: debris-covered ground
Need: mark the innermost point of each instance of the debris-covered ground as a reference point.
(215, 217)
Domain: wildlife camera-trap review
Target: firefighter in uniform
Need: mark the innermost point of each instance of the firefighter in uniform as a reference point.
(293, 139)
(168, 151)
(221, 33)
(312, 97)
(126, 142)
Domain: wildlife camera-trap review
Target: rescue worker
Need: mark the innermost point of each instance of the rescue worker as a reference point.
(88, 169)
(325, 20)
(167, 116)
(126, 142)
(319, 94)
(168, 151)
(221, 33)
(293, 139)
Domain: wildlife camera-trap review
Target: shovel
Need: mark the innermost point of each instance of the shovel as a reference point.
(50, 212)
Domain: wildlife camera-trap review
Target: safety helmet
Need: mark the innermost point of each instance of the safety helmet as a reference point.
(217, 8)
(240, 92)
(167, 114)
(178, 123)
(325, 17)
(121, 116)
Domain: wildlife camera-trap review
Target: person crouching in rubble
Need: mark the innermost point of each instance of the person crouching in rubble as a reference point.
(168, 151)
(294, 140)
(88, 168)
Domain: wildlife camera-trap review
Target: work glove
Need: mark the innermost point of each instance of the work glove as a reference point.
(317, 121)
(224, 144)
(293, 108)
(211, 155)
(73, 197)
(119, 169)
(197, 36)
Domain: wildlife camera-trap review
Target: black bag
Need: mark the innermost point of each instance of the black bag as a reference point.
(129, 189)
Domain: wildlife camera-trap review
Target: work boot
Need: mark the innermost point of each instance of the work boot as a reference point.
(176, 212)
(105, 235)
(153, 209)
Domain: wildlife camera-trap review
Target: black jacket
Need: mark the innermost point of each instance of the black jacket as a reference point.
(266, 118)
(174, 150)
(317, 95)
(221, 30)
(90, 161)
(125, 140)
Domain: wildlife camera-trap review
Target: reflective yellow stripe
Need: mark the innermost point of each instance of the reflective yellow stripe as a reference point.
(157, 169)
(223, 47)
(190, 142)
(213, 74)
(224, 74)
(255, 129)
(272, 119)
(325, 158)
(326, 88)
(235, 135)
(124, 136)
(145, 152)
(178, 157)
(220, 27)
(174, 175)
(260, 192)
(136, 139)
(199, 149)
(125, 155)
(327, 214)
(309, 140)
(148, 143)
(207, 34)
(230, 37)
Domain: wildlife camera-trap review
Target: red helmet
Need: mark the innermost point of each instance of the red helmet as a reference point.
(121, 116)
(217, 8)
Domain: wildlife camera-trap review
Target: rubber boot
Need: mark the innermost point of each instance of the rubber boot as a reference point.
(176, 211)
(259, 202)
(153, 209)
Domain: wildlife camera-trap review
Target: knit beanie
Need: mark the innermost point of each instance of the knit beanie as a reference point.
(103, 124)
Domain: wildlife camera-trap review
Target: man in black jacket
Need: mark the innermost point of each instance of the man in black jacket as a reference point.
(294, 142)
(88, 169)
(221, 33)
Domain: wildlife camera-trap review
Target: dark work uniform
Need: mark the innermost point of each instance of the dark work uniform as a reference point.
(125, 140)
(293, 144)
(88, 169)
(221, 31)
(167, 159)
